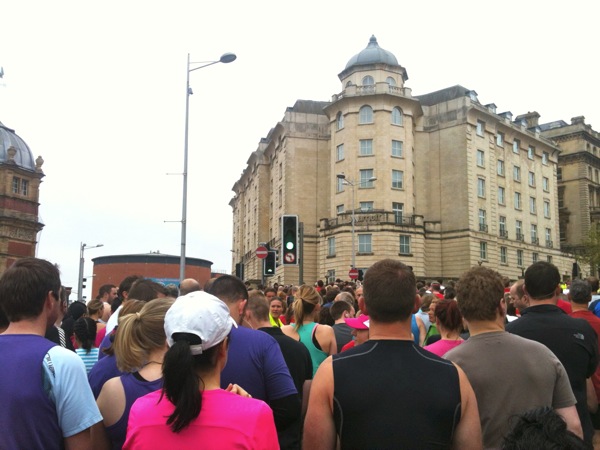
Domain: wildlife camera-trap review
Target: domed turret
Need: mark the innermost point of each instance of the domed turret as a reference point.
(372, 54)
(14, 150)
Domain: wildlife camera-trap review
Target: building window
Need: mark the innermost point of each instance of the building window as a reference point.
(516, 145)
(545, 158)
(24, 187)
(340, 185)
(331, 246)
(500, 167)
(549, 259)
(546, 209)
(531, 179)
(517, 173)
(398, 210)
(483, 251)
(397, 149)
(546, 184)
(519, 230)
(502, 226)
(480, 158)
(501, 196)
(482, 220)
(532, 205)
(500, 139)
(331, 276)
(519, 258)
(390, 81)
(480, 127)
(365, 115)
(535, 257)
(404, 244)
(366, 178)
(530, 152)
(15, 185)
(366, 206)
(481, 187)
(280, 198)
(396, 116)
(366, 147)
(559, 173)
(368, 81)
(364, 243)
(517, 200)
(397, 179)
(548, 238)
(339, 152)
(503, 258)
(340, 120)
(534, 236)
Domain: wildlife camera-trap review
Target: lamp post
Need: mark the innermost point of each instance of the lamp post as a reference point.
(82, 248)
(225, 59)
(345, 180)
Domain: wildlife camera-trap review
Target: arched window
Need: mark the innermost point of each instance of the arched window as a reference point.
(396, 116)
(368, 81)
(339, 120)
(390, 81)
(365, 115)
(349, 83)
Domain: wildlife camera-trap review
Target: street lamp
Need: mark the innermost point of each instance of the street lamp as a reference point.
(345, 180)
(225, 59)
(82, 248)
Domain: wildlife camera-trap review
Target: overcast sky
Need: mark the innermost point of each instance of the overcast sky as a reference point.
(98, 90)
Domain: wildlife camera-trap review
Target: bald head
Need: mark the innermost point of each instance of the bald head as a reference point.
(189, 285)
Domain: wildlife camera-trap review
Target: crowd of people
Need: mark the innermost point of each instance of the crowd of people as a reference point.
(389, 362)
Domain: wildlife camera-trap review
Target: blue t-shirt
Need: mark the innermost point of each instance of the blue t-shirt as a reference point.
(256, 364)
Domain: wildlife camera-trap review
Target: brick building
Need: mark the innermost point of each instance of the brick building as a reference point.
(20, 179)
(159, 267)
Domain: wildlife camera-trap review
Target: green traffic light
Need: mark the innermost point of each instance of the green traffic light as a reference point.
(289, 245)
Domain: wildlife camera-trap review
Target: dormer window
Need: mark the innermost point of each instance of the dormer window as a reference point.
(473, 96)
(368, 81)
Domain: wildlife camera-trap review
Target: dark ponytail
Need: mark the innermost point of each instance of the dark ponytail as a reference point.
(181, 382)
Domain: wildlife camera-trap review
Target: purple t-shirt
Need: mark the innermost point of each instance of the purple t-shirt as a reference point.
(256, 364)
(103, 370)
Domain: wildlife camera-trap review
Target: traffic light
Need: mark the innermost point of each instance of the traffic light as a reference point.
(83, 280)
(289, 239)
(269, 264)
(239, 270)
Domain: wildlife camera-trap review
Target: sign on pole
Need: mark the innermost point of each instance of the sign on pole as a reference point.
(262, 252)
(353, 273)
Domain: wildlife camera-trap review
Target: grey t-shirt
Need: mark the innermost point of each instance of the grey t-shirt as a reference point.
(343, 335)
(510, 375)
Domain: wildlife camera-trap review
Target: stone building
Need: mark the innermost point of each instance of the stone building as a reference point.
(439, 181)
(20, 178)
(578, 179)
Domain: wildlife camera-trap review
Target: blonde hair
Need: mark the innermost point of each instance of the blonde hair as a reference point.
(140, 333)
(307, 299)
(94, 306)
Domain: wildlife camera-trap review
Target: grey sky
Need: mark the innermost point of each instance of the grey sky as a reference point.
(98, 90)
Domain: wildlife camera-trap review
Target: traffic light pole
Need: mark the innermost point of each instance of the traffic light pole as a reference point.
(80, 279)
(301, 253)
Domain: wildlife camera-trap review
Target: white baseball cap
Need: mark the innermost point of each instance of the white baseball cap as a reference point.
(201, 314)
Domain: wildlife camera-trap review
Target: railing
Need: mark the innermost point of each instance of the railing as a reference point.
(549, 244)
(535, 240)
(520, 237)
(483, 227)
(504, 234)
(379, 88)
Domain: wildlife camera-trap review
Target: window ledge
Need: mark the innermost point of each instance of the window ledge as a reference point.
(365, 254)
(330, 256)
(405, 254)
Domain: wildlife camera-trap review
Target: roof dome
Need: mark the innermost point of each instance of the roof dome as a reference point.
(372, 54)
(22, 156)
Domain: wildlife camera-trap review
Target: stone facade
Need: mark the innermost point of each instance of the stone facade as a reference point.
(439, 181)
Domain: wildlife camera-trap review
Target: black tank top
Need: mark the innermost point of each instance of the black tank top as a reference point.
(394, 394)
